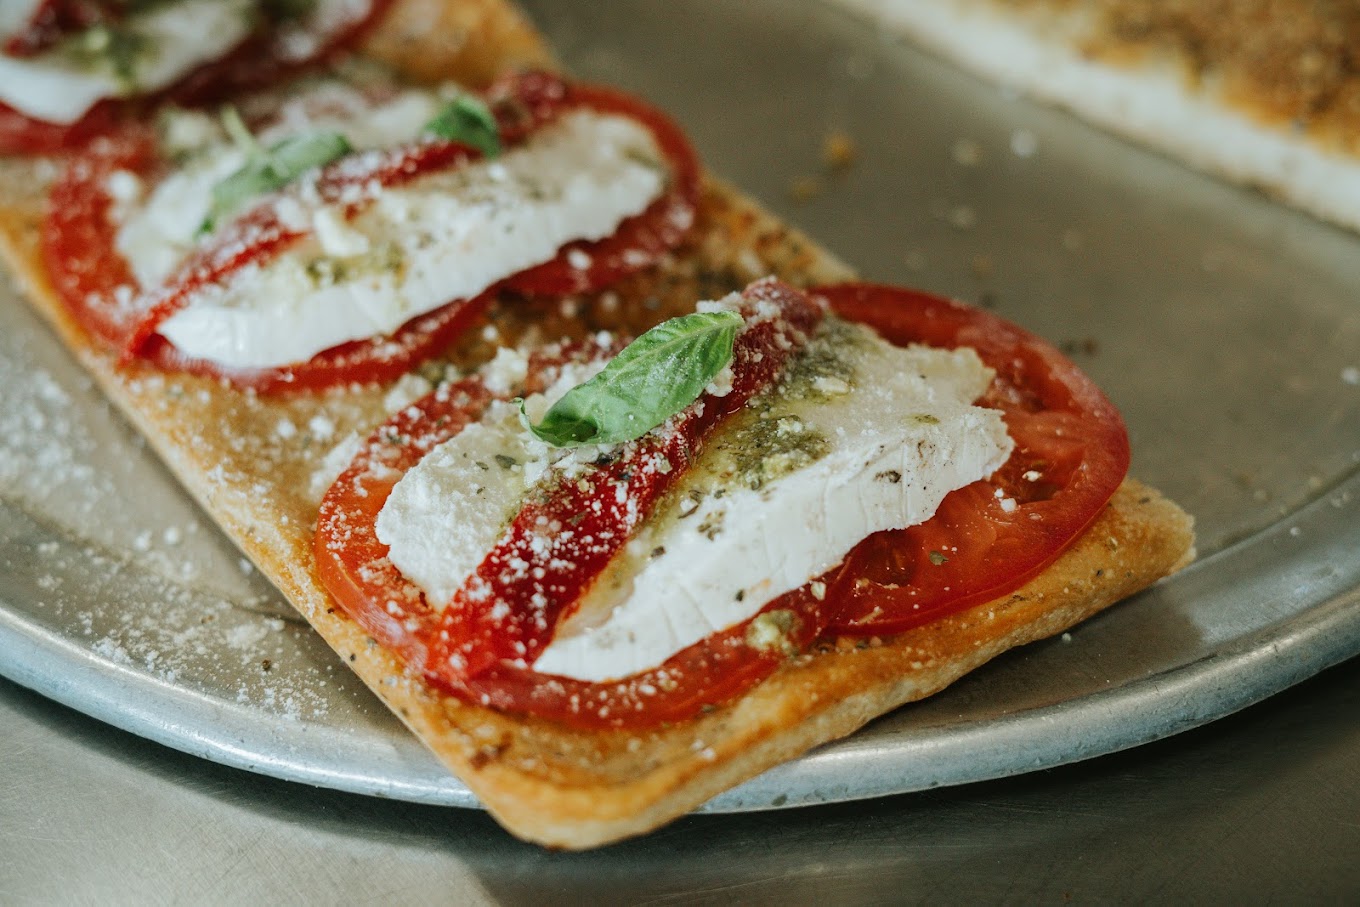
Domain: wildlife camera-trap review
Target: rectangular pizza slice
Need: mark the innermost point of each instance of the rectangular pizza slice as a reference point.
(602, 578)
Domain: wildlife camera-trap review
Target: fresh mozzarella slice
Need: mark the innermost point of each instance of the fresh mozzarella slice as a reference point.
(367, 121)
(155, 233)
(445, 236)
(444, 515)
(872, 443)
(861, 436)
(163, 45)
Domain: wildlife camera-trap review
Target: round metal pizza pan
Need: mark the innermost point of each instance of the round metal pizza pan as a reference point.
(1225, 327)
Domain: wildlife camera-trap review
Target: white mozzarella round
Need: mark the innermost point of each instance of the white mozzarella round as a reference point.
(16, 15)
(896, 444)
(59, 86)
(872, 441)
(445, 236)
(444, 515)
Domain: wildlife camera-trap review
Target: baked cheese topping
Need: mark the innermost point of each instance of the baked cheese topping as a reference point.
(442, 236)
(859, 437)
(446, 513)
(158, 229)
(150, 50)
(16, 16)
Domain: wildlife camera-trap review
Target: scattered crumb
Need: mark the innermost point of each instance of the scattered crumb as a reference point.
(1086, 346)
(966, 153)
(838, 150)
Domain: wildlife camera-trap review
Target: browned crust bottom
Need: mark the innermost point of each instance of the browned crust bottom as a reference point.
(578, 789)
(547, 783)
(1283, 62)
(428, 39)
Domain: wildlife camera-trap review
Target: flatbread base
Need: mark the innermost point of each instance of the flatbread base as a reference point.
(547, 783)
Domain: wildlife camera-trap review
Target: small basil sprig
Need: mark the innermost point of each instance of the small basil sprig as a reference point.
(652, 379)
(467, 120)
(269, 169)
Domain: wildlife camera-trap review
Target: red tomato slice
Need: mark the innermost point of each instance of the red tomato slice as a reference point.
(89, 275)
(20, 134)
(987, 539)
(641, 240)
(1071, 453)
(96, 284)
(256, 62)
(483, 658)
(508, 614)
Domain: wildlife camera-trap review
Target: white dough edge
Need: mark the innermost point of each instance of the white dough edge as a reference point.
(1153, 104)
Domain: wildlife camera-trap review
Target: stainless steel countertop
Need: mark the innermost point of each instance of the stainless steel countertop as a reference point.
(1262, 806)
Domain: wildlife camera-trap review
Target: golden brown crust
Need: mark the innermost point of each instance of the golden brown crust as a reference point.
(477, 39)
(547, 783)
(1283, 62)
(577, 789)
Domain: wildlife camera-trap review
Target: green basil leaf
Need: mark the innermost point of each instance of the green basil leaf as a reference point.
(467, 120)
(273, 168)
(652, 379)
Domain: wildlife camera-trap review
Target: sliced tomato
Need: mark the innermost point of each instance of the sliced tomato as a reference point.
(20, 134)
(482, 653)
(641, 240)
(377, 359)
(255, 63)
(96, 284)
(1071, 453)
(987, 539)
(707, 674)
(86, 270)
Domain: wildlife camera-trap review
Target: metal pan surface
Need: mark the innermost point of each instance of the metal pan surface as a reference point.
(1225, 327)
